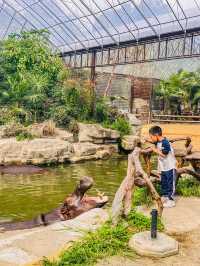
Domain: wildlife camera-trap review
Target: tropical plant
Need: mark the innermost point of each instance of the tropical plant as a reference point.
(122, 125)
(29, 74)
(35, 86)
(183, 86)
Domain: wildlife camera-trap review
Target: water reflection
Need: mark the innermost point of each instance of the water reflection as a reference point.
(23, 197)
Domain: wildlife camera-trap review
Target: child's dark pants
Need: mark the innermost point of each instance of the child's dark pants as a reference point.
(168, 181)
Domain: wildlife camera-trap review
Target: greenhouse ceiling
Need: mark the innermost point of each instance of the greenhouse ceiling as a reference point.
(83, 24)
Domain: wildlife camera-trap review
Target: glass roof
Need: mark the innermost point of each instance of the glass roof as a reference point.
(82, 24)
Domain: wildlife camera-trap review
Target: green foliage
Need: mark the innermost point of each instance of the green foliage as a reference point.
(139, 222)
(107, 241)
(180, 87)
(36, 86)
(188, 187)
(122, 125)
(29, 75)
(101, 111)
(142, 197)
(24, 136)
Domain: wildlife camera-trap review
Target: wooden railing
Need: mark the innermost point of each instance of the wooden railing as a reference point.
(148, 117)
(175, 118)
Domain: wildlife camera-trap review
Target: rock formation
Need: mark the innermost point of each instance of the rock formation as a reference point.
(57, 145)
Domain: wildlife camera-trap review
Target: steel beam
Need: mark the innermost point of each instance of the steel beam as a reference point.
(167, 52)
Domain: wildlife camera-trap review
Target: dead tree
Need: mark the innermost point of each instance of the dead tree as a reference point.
(136, 176)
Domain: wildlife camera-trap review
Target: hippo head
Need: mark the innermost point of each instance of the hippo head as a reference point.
(85, 183)
(96, 202)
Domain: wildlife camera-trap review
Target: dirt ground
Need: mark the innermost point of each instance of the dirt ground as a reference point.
(179, 130)
(189, 255)
(183, 223)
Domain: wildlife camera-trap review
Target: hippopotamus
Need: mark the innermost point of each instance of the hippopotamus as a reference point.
(74, 205)
(21, 169)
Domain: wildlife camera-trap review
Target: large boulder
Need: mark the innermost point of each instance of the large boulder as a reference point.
(48, 129)
(96, 134)
(89, 151)
(136, 124)
(64, 135)
(129, 142)
(40, 130)
(36, 151)
(133, 120)
(11, 130)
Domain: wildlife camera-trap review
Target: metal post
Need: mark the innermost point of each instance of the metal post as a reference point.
(93, 68)
(154, 221)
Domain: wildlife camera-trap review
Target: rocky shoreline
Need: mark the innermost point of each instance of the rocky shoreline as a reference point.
(55, 145)
(94, 142)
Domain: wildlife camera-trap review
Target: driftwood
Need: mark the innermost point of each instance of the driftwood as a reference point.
(122, 202)
(136, 176)
(74, 205)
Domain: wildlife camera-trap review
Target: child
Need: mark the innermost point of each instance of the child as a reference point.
(166, 165)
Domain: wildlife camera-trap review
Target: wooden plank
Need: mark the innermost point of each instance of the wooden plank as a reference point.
(177, 116)
(174, 121)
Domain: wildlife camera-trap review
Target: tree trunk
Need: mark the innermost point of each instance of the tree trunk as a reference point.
(123, 197)
(135, 174)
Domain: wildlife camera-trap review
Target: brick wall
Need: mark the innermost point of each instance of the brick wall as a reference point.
(136, 90)
(141, 94)
(120, 86)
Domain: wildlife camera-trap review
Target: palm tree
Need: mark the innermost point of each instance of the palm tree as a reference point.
(182, 85)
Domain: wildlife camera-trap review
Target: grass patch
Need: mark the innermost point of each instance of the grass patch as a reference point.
(142, 196)
(24, 136)
(105, 242)
(188, 187)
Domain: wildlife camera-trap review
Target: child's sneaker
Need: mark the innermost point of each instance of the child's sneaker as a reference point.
(164, 199)
(169, 204)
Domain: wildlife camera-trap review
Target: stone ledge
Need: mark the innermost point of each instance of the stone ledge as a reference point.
(19, 248)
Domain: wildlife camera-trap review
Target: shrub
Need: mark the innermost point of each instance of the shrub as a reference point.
(30, 75)
(13, 129)
(101, 111)
(35, 86)
(24, 136)
(61, 116)
(122, 125)
(188, 187)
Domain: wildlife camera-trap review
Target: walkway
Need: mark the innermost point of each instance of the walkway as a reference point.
(183, 222)
(179, 130)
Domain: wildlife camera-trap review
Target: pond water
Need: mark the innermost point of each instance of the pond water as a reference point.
(23, 197)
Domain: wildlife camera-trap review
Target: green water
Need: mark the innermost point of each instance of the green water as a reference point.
(24, 197)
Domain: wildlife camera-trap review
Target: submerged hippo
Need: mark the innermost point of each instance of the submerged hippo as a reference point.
(73, 205)
(21, 169)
